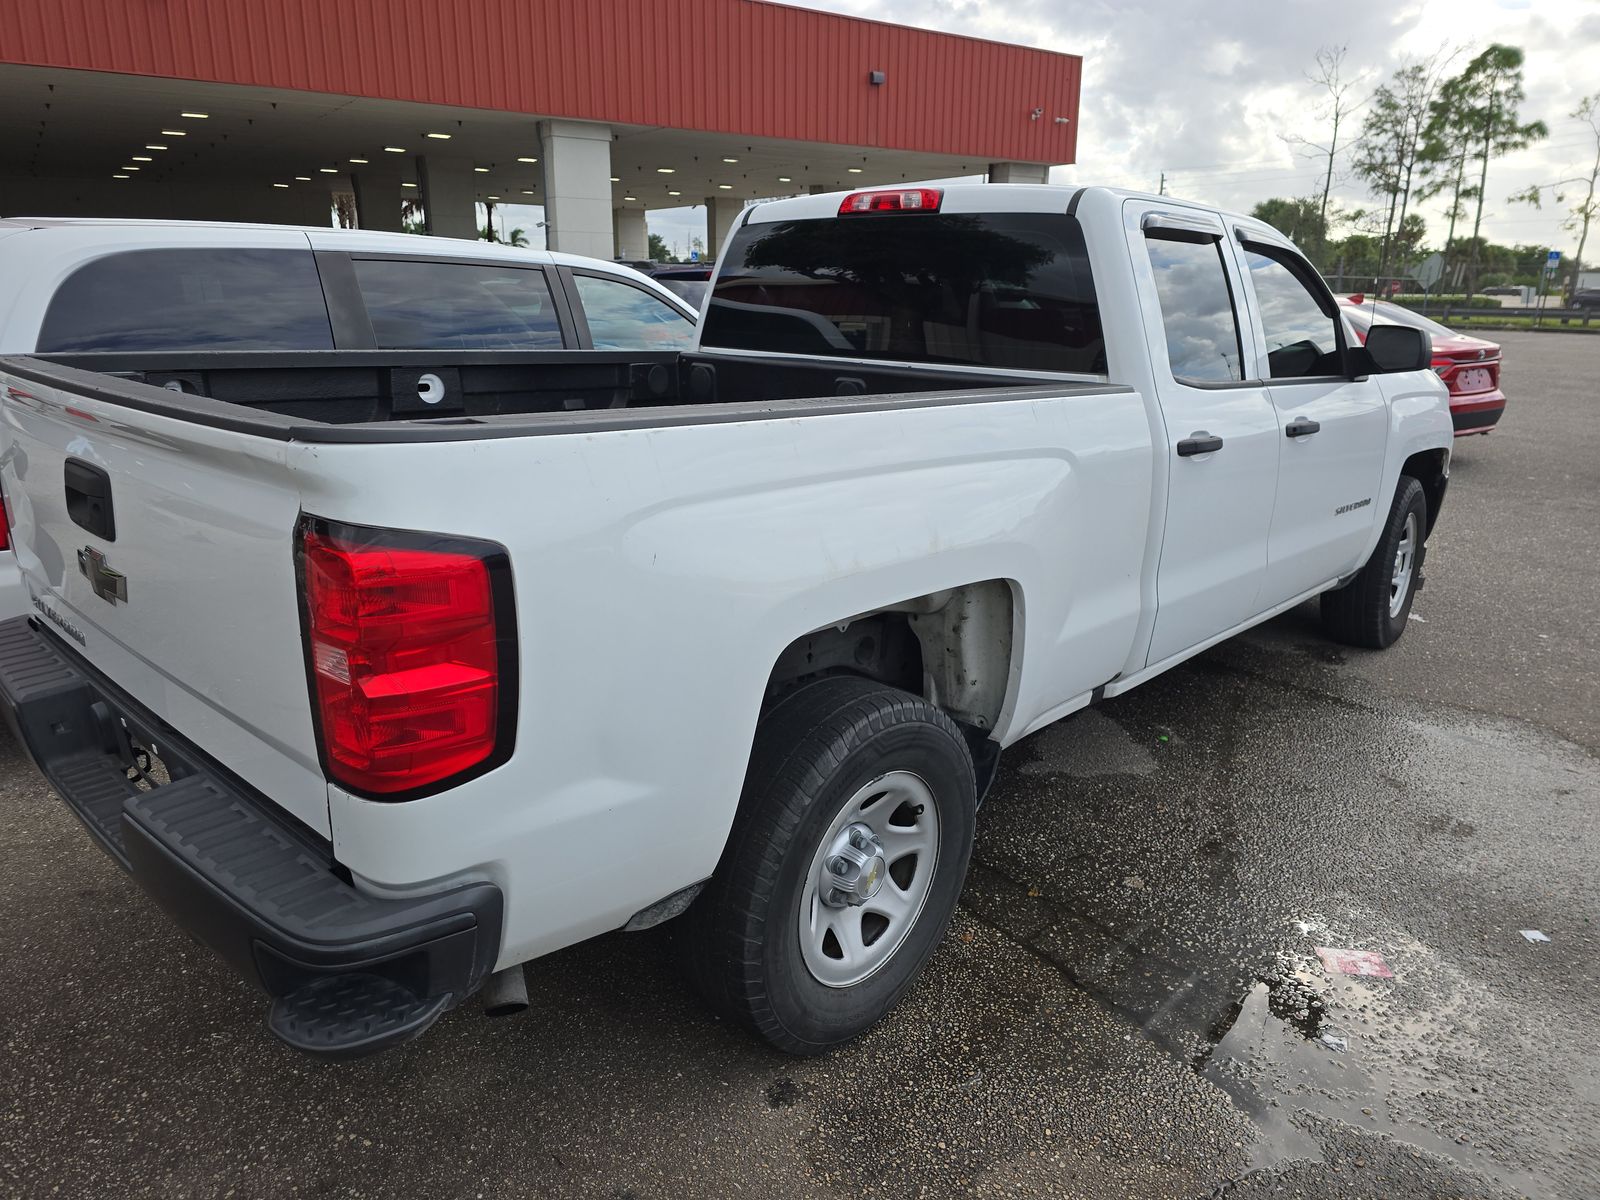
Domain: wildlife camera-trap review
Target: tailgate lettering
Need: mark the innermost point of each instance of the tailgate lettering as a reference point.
(56, 619)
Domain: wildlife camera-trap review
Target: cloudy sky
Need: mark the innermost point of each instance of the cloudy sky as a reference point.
(1202, 91)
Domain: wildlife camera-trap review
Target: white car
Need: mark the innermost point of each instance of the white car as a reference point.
(387, 671)
(78, 285)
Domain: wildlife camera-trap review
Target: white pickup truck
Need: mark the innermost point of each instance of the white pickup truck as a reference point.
(388, 671)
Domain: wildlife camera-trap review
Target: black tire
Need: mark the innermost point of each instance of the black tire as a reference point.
(813, 753)
(1361, 613)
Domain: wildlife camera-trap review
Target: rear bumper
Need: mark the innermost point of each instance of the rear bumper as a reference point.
(348, 973)
(1477, 413)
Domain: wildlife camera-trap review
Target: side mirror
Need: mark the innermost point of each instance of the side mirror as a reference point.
(1392, 348)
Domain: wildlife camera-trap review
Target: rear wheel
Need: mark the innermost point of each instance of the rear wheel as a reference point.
(843, 867)
(1373, 608)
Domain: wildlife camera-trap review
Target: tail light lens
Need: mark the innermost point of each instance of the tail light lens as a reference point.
(411, 656)
(896, 200)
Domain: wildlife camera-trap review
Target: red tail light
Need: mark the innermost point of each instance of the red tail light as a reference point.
(411, 655)
(897, 200)
(5, 524)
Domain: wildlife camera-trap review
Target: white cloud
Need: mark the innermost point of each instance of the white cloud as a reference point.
(1202, 92)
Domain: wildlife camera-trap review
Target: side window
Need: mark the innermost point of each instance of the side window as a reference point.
(1196, 310)
(417, 305)
(624, 317)
(1302, 338)
(190, 299)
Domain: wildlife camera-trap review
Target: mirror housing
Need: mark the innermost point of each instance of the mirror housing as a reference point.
(1392, 348)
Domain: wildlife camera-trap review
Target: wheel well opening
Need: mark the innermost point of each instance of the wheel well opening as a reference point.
(952, 647)
(1431, 469)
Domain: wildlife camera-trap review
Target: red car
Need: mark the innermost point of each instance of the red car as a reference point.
(1469, 366)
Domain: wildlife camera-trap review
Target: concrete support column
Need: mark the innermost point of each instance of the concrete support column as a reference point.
(631, 232)
(314, 201)
(577, 187)
(721, 213)
(1019, 172)
(377, 189)
(449, 195)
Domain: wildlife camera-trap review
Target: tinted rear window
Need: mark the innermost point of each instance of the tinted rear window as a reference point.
(190, 299)
(433, 305)
(998, 290)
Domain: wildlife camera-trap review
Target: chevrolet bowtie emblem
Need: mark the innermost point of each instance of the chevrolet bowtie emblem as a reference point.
(109, 585)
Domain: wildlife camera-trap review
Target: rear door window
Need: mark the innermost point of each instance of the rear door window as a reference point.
(624, 317)
(190, 299)
(415, 305)
(1196, 310)
(988, 289)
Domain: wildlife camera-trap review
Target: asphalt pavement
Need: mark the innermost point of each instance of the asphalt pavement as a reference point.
(1130, 1002)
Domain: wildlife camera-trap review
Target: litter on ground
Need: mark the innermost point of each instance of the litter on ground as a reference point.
(1354, 962)
(1534, 935)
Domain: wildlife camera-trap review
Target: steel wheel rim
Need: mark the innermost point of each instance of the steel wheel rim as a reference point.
(1405, 561)
(845, 944)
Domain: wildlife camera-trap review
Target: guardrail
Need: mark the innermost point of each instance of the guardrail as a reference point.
(1546, 316)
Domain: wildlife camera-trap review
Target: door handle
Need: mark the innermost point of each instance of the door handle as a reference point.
(1199, 442)
(1301, 427)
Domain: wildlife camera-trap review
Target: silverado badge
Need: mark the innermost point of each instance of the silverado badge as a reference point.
(109, 585)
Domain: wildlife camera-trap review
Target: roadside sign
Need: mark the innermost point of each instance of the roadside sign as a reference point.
(1430, 271)
(1553, 257)
(694, 256)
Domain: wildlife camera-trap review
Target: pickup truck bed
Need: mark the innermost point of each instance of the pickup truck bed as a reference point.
(425, 392)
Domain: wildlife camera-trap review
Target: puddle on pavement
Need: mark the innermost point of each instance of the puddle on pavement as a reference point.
(1162, 860)
(1273, 1057)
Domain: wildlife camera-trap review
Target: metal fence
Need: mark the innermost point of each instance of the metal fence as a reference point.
(1544, 316)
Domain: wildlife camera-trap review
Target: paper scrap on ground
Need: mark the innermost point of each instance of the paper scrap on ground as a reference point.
(1334, 1042)
(1534, 935)
(1354, 962)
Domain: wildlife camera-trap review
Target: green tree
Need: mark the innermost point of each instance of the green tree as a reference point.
(1301, 220)
(1351, 259)
(1409, 239)
(1450, 138)
(487, 231)
(1584, 211)
(658, 249)
(1492, 83)
(1393, 154)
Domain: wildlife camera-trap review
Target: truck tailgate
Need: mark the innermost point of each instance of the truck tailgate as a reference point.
(161, 551)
